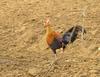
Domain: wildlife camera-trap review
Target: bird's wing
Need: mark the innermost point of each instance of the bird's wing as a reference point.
(58, 36)
(53, 36)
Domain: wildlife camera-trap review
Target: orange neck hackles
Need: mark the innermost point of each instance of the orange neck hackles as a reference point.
(48, 26)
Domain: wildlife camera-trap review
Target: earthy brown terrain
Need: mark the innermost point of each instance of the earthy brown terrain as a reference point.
(23, 52)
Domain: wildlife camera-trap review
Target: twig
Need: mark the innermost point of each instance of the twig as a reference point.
(72, 34)
(49, 68)
(83, 16)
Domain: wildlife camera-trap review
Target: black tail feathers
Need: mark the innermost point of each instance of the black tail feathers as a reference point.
(71, 35)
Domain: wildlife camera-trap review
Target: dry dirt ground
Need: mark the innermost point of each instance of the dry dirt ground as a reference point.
(23, 52)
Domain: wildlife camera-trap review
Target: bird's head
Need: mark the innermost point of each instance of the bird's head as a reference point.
(47, 22)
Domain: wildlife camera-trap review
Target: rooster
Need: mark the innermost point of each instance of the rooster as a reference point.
(57, 41)
(53, 38)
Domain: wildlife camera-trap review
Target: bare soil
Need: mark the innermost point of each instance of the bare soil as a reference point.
(23, 52)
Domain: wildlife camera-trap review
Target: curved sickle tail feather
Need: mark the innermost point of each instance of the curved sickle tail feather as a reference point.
(71, 35)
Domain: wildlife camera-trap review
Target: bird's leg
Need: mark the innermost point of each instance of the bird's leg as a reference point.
(62, 50)
(55, 55)
(63, 47)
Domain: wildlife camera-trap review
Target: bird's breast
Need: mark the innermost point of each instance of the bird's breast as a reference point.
(50, 38)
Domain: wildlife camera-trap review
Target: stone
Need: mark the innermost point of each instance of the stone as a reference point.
(34, 71)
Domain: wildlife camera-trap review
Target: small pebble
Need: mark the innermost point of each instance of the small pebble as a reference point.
(99, 48)
(34, 71)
